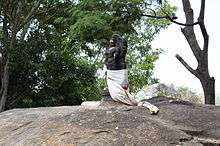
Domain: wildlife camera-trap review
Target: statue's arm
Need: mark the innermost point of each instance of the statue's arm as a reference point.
(120, 53)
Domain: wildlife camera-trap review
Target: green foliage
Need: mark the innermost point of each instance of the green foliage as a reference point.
(141, 57)
(57, 62)
(45, 71)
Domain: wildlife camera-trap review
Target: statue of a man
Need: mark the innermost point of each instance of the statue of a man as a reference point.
(115, 61)
(117, 74)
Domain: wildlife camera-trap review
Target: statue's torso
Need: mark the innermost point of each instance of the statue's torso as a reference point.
(115, 58)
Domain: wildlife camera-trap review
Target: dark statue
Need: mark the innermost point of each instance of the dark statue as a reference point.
(115, 58)
(117, 76)
(115, 54)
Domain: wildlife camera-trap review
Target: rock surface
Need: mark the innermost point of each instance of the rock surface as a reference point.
(112, 124)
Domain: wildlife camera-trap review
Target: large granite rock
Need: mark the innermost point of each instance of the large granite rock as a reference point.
(112, 124)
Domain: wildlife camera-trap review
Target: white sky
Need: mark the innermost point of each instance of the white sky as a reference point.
(168, 68)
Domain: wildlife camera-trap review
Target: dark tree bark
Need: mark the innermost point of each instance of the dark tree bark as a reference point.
(201, 54)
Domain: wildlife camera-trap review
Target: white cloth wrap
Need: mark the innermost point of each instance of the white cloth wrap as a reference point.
(115, 80)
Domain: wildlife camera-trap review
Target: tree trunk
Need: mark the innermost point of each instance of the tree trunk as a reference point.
(4, 87)
(208, 86)
(6, 61)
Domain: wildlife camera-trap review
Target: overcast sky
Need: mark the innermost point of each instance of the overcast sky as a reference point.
(168, 68)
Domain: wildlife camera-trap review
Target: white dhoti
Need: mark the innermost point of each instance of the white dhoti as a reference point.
(117, 81)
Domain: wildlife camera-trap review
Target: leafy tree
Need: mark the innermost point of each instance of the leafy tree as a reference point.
(45, 70)
(14, 15)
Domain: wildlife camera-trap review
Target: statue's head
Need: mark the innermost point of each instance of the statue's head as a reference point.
(116, 40)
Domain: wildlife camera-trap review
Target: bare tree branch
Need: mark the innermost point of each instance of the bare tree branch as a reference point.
(172, 19)
(189, 68)
(202, 10)
(202, 26)
(192, 41)
(188, 11)
(188, 31)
